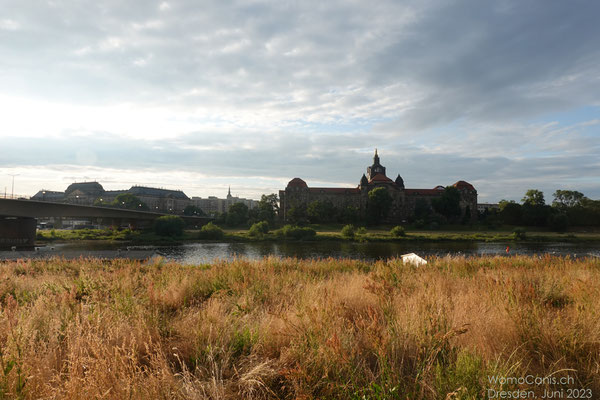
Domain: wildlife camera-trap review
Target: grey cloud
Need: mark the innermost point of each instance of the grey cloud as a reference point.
(453, 85)
(477, 61)
(333, 160)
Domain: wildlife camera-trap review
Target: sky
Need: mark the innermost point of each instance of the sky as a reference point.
(200, 96)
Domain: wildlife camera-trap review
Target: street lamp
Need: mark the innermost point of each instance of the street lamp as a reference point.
(13, 185)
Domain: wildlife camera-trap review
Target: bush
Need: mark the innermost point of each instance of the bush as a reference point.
(348, 231)
(361, 231)
(519, 234)
(169, 225)
(259, 229)
(296, 232)
(398, 231)
(210, 231)
(558, 222)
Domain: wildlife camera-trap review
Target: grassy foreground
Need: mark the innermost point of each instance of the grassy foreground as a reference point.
(289, 328)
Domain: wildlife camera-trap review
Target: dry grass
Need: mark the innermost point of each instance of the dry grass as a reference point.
(295, 329)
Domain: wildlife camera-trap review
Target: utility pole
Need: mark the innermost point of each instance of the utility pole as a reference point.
(12, 196)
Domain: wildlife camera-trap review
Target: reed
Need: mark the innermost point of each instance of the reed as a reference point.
(290, 328)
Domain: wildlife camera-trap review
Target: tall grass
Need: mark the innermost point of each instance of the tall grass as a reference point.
(290, 328)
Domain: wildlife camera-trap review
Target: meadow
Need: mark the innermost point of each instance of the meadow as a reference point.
(297, 329)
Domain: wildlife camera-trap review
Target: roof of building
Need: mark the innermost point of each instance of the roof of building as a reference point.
(297, 182)
(156, 192)
(48, 194)
(85, 187)
(380, 178)
(463, 185)
(334, 190)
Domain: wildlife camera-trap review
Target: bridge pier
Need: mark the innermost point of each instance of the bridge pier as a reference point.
(17, 232)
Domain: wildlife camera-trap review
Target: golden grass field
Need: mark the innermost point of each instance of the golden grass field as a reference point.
(294, 329)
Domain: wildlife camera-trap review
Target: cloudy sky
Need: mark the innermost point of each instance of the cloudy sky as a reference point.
(202, 95)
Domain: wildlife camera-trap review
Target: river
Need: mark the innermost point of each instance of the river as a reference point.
(198, 253)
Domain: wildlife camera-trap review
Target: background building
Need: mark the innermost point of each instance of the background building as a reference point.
(213, 205)
(89, 193)
(404, 201)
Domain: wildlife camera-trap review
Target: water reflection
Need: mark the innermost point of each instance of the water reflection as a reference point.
(205, 252)
(198, 253)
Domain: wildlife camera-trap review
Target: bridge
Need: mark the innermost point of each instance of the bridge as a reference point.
(18, 218)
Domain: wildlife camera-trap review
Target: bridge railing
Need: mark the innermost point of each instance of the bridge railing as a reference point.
(15, 196)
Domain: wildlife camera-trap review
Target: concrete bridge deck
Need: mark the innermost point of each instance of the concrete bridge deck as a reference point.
(17, 218)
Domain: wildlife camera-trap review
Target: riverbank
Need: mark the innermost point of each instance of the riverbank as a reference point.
(323, 233)
(288, 328)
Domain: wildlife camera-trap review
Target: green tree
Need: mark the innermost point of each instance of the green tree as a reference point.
(378, 205)
(130, 202)
(210, 231)
(193, 210)
(320, 211)
(448, 204)
(169, 225)
(398, 231)
(259, 229)
(564, 199)
(510, 213)
(535, 210)
(422, 209)
(268, 207)
(348, 215)
(237, 214)
(558, 222)
(348, 231)
(534, 197)
(297, 215)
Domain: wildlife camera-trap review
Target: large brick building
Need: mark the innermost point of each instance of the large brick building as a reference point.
(299, 194)
(88, 193)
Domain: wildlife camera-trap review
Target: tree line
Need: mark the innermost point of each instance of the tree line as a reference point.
(569, 208)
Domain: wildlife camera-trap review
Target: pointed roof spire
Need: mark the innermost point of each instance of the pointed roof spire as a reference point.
(376, 158)
(364, 180)
(399, 181)
(229, 191)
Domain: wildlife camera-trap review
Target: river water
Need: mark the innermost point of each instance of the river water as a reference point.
(198, 253)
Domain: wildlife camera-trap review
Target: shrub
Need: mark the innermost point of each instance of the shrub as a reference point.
(361, 231)
(296, 232)
(348, 231)
(210, 231)
(258, 229)
(398, 231)
(519, 234)
(558, 222)
(169, 225)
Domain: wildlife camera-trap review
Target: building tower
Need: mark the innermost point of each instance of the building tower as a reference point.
(376, 168)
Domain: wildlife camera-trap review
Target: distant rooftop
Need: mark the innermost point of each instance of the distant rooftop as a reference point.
(149, 191)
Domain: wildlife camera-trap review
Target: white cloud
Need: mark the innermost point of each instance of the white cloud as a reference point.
(9, 25)
(305, 88)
